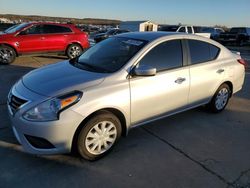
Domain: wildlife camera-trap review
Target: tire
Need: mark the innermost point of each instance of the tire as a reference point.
(7, 54)
(74, 50)
(220, 99)
(98, 136)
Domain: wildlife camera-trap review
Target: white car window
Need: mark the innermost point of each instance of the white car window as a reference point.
(165, 56)
(201, 52)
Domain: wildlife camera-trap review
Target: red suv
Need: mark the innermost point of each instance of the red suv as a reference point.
(37, 38)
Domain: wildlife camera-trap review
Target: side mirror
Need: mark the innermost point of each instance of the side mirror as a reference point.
(144, 70)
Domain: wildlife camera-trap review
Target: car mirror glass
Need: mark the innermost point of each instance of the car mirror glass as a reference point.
(144, 70)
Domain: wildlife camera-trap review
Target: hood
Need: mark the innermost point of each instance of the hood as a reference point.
(5, 36)
(60, 78)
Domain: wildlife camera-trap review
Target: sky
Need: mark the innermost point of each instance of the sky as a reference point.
(195, 12)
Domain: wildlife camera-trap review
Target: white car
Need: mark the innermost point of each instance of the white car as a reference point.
(193, 30)
(127, 80)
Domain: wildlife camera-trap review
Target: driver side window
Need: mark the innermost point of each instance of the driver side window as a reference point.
(35, 29)
(165, 56)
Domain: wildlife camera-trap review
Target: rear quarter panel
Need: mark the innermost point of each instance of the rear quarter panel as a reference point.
(79, 38)
(235, 73)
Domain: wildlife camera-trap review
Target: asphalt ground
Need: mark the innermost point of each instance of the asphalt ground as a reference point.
(190, 149)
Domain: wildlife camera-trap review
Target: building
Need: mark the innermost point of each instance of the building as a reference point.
(5, 20)
(139, 26)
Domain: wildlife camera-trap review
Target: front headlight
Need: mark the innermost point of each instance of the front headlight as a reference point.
(50, 109)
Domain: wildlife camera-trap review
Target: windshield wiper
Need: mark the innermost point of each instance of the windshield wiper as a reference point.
(89, 67)
(94, 67)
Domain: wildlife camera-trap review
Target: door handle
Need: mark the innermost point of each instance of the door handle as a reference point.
(180, 80)
(220, 71)
(42, 38)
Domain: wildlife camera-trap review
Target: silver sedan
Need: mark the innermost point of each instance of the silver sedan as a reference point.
(87, 103)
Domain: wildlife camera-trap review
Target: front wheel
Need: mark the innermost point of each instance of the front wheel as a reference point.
(7, 54)
(73, 51)
(98, 136)
(220, 99)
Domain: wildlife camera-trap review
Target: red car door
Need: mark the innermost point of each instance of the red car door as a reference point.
(56, 37)
(30, 40)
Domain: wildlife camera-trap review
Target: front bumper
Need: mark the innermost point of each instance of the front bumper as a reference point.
(58, 133)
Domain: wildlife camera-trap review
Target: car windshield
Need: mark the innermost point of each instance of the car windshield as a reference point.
(110, 55)
(15, 28)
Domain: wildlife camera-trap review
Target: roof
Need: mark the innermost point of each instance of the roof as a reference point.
(136, 22)
(51, 23)
(148, 36)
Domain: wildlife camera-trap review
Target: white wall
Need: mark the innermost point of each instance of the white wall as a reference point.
(142, 26)
(137, 27)
(155, 27)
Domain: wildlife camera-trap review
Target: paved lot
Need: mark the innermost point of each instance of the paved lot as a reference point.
(191, 149)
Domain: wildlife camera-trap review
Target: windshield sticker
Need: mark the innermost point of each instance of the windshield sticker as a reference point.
(133, 42)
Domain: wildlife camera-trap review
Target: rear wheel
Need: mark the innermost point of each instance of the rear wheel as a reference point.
(73, 51)
(7, 54)
(98, 136)
(220, 99)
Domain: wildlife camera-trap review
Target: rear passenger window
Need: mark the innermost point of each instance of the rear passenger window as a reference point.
(167, 55)
(56, 29)
(201, 51)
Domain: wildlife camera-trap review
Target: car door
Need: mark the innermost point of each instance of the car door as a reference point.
(167, 91)
(206, 72)
(56, 37)
(30, 40)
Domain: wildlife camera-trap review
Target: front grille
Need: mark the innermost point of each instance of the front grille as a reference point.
(15, 102)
